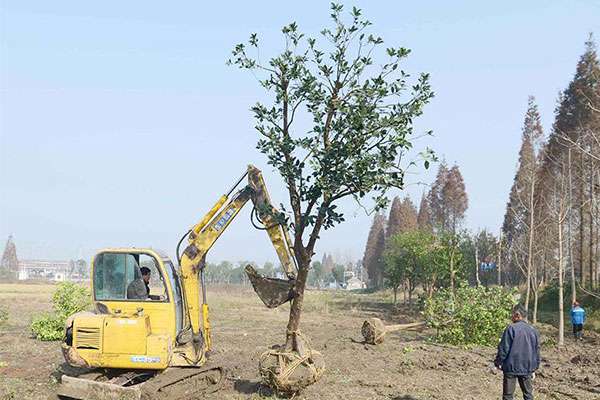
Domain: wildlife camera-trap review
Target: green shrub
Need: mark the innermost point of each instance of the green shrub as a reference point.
(470, 316)
(68, 299)
(48, 327)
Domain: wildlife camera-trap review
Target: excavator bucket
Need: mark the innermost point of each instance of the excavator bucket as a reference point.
(272, 291)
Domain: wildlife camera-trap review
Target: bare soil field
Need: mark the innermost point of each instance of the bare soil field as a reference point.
(407, 366)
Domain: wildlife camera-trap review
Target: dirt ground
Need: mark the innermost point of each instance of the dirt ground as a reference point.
(407, 366)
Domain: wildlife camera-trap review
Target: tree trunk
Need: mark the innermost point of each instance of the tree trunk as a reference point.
(528, 292)
(478, 283)
(570, 232)
(561, 316)
(530, 244)
(581, 224)
(296, 308)
(535, 306)
(499, 261)
(591, 226)
(452, 273)
(395, 294)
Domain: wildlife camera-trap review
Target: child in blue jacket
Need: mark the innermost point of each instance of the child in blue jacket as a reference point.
(577, 319)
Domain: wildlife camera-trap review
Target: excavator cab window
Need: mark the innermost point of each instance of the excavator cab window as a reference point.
(157, 284)
(118, 276)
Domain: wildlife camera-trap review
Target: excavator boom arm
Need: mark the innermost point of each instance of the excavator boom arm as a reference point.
(206, 232)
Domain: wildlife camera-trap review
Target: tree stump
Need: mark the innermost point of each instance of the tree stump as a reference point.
(373, 329)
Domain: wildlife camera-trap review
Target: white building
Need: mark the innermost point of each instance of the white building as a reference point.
(355, 283)
(44, 269)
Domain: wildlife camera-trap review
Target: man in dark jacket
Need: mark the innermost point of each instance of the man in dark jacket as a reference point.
(518, 356)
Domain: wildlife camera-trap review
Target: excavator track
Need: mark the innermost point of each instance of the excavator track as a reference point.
(171, 384)
(183, 383)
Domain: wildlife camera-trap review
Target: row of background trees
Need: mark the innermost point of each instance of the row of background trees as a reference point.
(330, 271)
(552, 222)
(427, 246)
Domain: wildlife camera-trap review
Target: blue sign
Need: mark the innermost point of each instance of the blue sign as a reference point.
(487, 266)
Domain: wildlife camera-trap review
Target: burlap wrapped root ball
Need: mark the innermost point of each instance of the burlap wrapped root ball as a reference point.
(373, 330)
(287, 372)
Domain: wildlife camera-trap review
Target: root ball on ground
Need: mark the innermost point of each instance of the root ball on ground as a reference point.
(373, 330)
(287, 372)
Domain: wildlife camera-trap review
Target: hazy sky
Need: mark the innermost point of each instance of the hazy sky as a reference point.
(121, 124)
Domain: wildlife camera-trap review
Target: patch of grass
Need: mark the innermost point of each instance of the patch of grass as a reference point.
(3, 316)
(549, 342)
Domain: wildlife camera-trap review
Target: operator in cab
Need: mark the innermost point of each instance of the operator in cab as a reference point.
(139, 289)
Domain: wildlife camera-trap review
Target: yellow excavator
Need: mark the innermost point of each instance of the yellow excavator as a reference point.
(149, 334)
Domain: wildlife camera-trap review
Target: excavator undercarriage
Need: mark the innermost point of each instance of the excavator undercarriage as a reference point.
(173, 383)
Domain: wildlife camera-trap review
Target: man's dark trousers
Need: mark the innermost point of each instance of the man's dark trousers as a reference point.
(510, 382)
(578, 331)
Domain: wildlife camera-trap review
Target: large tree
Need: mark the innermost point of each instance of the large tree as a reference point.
(408, 216)
(395, 218)
(407, 257)
(9, 263)
(439, 215)
(448, 199)
(455, 199)
(359, 114)
(402, 218)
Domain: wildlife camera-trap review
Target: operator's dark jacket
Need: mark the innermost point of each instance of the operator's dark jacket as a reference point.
(519, 349)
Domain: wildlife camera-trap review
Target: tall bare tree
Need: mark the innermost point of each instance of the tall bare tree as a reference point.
(439, 216)
(520, 214)
(577, 123)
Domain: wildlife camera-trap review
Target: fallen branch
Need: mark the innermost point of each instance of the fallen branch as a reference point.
(596, 295)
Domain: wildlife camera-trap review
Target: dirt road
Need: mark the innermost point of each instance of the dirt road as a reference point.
(405, 367)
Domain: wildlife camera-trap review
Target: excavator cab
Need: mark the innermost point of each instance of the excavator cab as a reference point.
(125, 280)
(137, 316)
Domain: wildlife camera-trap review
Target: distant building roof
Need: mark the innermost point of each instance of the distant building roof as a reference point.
(48, 264)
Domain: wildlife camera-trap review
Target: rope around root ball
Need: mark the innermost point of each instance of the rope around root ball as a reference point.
(288, 372)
